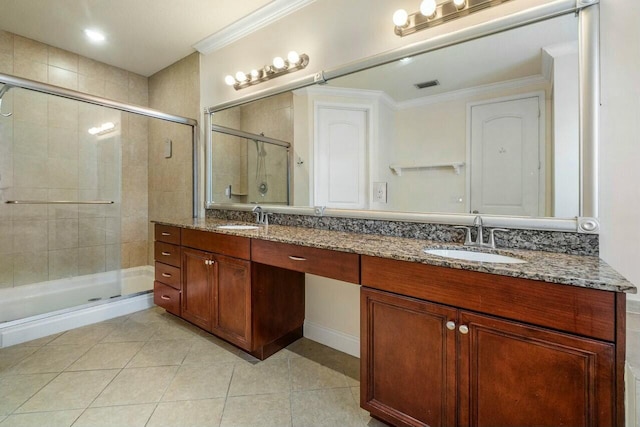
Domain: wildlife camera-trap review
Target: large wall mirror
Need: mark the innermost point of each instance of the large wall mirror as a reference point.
(488, 126)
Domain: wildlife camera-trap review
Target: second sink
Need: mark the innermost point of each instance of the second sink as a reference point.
(238, 227)
(474, 256)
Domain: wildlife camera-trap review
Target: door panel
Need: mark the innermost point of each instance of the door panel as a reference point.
(196, 287)
(233, 302)
(515, 375)
(408, 356)
(341, 150)
(505, 158)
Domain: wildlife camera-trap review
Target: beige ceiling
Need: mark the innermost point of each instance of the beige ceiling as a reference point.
(143, 36)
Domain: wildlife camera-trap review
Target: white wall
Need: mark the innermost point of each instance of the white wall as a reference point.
(336, 32)
(332, 32)
(619, 137)
(436, 133)
(566, 137)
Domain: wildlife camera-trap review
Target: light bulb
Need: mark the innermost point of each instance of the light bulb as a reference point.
(240, 76)
(428, 8)
(293, 58)
(255, 74)
(400, 18)
(230, 80)
(94, 36)
(278, 63)
(459, 4)
(107, 126)
(94, 131)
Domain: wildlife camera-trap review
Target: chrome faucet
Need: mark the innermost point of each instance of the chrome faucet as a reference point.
(479, 225)
(262, 217)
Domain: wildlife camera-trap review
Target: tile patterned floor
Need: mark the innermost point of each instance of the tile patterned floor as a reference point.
(152, 369)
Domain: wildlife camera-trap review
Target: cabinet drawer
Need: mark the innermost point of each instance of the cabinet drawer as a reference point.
(581, 311)
(166, 297)
(168, 275)
(322, 262)
(167, 253)
(235, 246)
(167, 234)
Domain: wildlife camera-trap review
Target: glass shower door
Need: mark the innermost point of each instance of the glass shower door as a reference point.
(60, 192)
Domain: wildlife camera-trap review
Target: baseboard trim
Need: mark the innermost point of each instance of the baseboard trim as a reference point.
(346, 343)
(73, 319)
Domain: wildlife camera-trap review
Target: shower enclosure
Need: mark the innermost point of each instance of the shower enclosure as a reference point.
(248, 168)
(61, 198)
(249, 153)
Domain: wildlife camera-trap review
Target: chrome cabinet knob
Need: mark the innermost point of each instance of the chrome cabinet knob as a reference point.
(464, 329)
(451, 325)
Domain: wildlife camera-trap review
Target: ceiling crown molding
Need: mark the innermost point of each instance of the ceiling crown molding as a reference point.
(253, 22)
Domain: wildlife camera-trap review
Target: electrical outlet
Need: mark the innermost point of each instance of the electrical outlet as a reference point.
(380, 192)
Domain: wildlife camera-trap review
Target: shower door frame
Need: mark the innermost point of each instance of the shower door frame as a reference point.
(22, 83)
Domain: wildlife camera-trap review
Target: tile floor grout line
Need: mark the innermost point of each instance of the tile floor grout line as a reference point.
(57, 373)
(175, 374)
(151, 414)
(290, 391)
(103, 389)
(226, 397)
(36, 392)
(134, 356)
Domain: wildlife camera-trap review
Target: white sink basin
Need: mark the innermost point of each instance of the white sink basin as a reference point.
(238, 227)
(474, 256)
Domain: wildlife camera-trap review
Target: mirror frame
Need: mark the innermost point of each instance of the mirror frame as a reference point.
(589, 100)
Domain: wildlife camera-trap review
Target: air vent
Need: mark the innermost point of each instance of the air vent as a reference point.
(424, 85)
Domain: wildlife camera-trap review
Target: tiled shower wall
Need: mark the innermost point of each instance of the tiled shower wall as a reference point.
(39, 243)
(174, 90)
(235, 159)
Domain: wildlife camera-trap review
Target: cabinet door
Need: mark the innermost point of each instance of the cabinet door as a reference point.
(516, 375)
(197, 287)
(407, 360)
(232, 300)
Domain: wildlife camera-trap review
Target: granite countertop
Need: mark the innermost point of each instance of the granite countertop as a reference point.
(575, 270)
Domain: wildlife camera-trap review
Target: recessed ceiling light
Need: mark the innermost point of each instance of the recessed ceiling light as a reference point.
(94, 36)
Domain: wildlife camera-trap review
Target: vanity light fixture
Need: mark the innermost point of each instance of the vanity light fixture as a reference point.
(431, 14)
(278, 67)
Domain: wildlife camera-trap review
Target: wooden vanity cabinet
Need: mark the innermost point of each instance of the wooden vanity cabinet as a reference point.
(216, 295)
(425, 361)
(257, 307)
(167, 286)
(216, 285)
